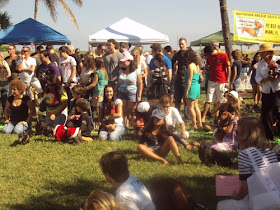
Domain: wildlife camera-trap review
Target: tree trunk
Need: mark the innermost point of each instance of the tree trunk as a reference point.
(225, 27)
(36, 10)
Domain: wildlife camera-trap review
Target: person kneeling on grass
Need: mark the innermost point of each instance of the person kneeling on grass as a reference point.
(110, 116)
(156, 142)
(130, 191)
(82, 106)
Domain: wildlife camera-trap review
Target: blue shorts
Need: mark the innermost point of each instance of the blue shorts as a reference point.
(156, 149)
(127, 96)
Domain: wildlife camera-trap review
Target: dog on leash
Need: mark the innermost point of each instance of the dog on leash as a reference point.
(25, 137)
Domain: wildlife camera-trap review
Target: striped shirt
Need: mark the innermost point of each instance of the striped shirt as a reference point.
(245, 165)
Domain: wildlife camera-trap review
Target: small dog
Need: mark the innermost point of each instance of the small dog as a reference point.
(63, 134)
(40, 127)
(210, 156)
(25, 137)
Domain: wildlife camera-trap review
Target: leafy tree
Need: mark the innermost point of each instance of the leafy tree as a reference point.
(5, 20)
(52, 7)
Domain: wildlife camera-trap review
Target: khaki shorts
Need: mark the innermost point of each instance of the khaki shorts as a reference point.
(215, 91)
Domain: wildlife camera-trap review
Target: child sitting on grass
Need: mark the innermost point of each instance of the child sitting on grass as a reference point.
(78, 92)
(82, 107)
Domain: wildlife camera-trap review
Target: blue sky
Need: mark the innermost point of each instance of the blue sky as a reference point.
(191, 19)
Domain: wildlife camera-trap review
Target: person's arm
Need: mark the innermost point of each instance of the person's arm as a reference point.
(216, 108)
(249, 72)
(6, 112)
(145, 73)
(183, 130)
(93, 83)
(228, 74)
(243, 191)
(56, 71)
(189, 81)
(6, 65)
(259, 78)
(31, 109)
(169, 75)
(118, 113)
(139, 87)
(234, 73)
(74, 71)
(20, 68)
(100, 115)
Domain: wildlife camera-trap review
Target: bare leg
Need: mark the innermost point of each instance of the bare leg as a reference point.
(254, 87)
(149, 153)
(130, 106)
(259, 94)
(198, 113)
(205, 110)
(170, 144)
(190, 104)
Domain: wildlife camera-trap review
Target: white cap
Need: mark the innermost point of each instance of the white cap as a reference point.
(127, 56)
(234, 94)
(143, 107)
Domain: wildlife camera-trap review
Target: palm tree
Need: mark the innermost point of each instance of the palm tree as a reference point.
(52, 7)
(5, 20)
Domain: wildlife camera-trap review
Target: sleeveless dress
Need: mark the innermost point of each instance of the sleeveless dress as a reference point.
(194, 91)
(253, 75)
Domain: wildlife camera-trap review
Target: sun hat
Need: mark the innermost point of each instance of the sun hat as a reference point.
(158, 114)
(234, 94)
(127, 57)
(265, 48)
(147, 53)
(143, 107)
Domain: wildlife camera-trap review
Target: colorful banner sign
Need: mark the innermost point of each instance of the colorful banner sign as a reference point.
(256, 27)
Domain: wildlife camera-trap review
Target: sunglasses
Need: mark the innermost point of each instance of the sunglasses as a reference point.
(25, 51)
(10, 48)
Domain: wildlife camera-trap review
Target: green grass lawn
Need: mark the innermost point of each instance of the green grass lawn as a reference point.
(51, 175)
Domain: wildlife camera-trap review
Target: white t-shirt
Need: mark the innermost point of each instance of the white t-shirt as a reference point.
(27, 76)
(65, 67)
(118, 121)
(173, 117)
(134, 195)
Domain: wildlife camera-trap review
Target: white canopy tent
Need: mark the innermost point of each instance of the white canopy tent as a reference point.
(127, 30)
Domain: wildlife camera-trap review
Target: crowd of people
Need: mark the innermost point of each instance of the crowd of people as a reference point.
(127, 88)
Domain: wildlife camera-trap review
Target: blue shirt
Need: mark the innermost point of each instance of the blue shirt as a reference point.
(167, 62)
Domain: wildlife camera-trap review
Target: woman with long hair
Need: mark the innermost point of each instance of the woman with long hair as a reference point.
(257, 89)
(56, 100)
(110, 116)
(99, 81)
(252, 139)
(19, 109)
(156, 142)
(192, 87)
(87, 74)
(5, 73)
(129, 86)
(159, 81)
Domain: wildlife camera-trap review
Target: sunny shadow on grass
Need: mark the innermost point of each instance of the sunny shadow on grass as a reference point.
(51, 175)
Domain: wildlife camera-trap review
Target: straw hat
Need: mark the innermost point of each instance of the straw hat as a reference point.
(266, 48)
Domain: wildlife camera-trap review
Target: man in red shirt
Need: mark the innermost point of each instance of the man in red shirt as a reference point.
(219, 76)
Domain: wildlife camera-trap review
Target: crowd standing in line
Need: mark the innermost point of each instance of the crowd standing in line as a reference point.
(114, 82)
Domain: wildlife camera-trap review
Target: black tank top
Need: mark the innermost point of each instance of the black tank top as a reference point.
(18, 113)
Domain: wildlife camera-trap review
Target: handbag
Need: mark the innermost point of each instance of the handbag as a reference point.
(97, 99)
(264, 184)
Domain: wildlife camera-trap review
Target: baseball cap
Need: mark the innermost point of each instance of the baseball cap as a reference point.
(143, 107)
(158, 114)
(126, 57)
(234, 94)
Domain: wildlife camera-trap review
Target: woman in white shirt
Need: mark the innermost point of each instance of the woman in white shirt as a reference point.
(172, 118)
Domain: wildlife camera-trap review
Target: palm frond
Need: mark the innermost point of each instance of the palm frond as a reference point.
(3, 3)
(5, 20)
(78, 2)
(69, 12)
(51, 6)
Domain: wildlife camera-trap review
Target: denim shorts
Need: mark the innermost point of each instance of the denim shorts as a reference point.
(127, 96)
(156, 149)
